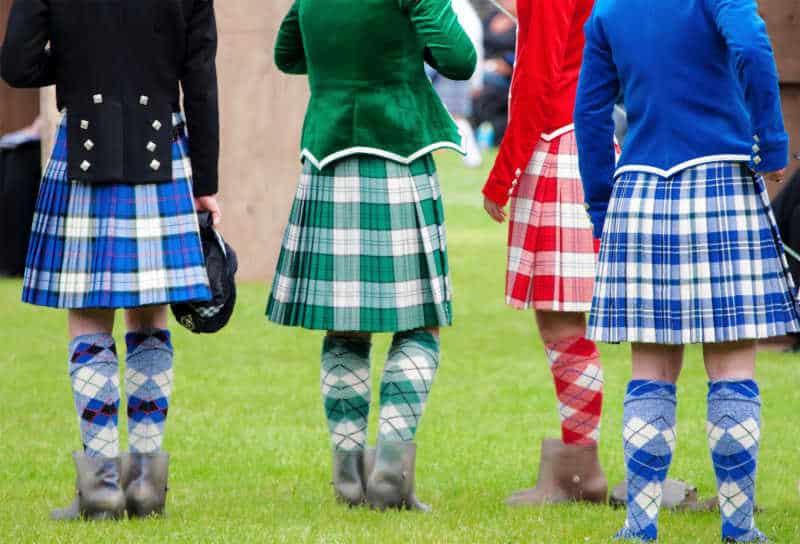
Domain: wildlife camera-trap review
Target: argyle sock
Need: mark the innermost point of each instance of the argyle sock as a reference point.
(94, 372)
(346, 390)
(148, 385)
(406, 383)
(649, 441)
(575, 364)
(734, 428)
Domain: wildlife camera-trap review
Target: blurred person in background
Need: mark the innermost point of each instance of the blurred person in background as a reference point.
(457, 95)
(490, 105)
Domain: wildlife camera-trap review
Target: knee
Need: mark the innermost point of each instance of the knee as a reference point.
(555, 327)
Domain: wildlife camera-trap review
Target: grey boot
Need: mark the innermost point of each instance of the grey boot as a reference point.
(99, 495)
(144, 479)
(676, 495)
(348, 476)
(391, 482)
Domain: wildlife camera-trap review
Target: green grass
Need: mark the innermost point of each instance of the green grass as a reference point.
(250, 448)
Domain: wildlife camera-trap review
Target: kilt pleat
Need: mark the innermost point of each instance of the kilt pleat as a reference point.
(114, 245)
(694, 258)
(364, 249)
(551, 251)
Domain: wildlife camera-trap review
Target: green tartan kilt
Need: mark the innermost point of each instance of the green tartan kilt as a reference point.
(364, 249)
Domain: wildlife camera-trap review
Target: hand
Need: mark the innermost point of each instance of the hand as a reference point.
(775, 177)
(209, 204)
(495, 211)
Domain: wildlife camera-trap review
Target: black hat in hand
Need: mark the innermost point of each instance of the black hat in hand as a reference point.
(221, 265)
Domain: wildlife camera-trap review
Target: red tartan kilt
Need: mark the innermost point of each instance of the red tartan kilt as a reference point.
(551, 250)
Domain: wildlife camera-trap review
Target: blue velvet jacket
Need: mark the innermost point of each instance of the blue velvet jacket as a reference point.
(700, 85)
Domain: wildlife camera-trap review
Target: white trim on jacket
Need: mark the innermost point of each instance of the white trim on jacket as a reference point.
(682, 166)
(320, 164)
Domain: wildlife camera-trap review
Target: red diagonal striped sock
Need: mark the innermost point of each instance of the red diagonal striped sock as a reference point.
(575, 364)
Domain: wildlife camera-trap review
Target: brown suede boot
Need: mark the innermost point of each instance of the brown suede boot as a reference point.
(566, 473)
(676, 495)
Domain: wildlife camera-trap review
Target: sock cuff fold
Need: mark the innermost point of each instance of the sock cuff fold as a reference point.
(420, 336)
(157, 337)
(651, 390)
(360, 347)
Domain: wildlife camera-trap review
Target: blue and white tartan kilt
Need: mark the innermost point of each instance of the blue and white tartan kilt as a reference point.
(694, 258)
(115, 245)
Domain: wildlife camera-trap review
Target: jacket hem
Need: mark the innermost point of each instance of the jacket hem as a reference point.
(364, 150)
(680, 167)
(550, 136)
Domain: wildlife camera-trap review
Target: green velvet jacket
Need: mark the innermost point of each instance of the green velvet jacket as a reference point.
(369, 91)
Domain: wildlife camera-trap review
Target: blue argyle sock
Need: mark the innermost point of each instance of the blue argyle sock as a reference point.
(649, 441)
(148, 384)
(734, 428)
(94, 372)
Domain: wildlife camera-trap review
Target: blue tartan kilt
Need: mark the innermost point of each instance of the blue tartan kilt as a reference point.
(694, 258)
(115, 245)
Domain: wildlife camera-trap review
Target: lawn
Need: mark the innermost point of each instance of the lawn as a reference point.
(250, 449)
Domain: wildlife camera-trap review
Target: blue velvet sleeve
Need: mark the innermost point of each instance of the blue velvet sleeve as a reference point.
(598, 89)
(746, 35)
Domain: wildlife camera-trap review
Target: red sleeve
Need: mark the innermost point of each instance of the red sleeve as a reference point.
(542, 38)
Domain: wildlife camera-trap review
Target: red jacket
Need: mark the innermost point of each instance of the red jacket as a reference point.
(542, 99)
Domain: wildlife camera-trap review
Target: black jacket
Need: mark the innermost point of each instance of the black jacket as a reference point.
(118, 67)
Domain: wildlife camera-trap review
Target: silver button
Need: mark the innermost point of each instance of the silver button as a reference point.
(151, 146)
(757, 159)
(514, 183)
(756, 149)
(755, 137)
(519, 172)
(155, 165)
(510, 192)
(84, 124)
(157, 125)
(98, 99)
(85, 165)
(89, 145)
(144, 100)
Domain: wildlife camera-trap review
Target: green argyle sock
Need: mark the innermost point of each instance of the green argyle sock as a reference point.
(406, 384)
(346, 390)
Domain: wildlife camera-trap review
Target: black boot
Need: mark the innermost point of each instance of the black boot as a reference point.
(348, 476)
(99, 495)
(391, 482)
(144, 479)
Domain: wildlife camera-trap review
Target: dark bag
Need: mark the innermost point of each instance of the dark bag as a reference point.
(20, 174)
(221, 265)
(786, 207)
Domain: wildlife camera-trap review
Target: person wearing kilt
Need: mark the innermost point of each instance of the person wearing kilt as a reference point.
(364, 250)
(551, 250)
(690, 252)
(115, 224)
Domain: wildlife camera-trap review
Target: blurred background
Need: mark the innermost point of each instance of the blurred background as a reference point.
(262, 112)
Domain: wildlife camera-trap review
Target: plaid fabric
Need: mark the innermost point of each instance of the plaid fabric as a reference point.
(695, 258)
(551, 251)
(114, 245)
(364, 249)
